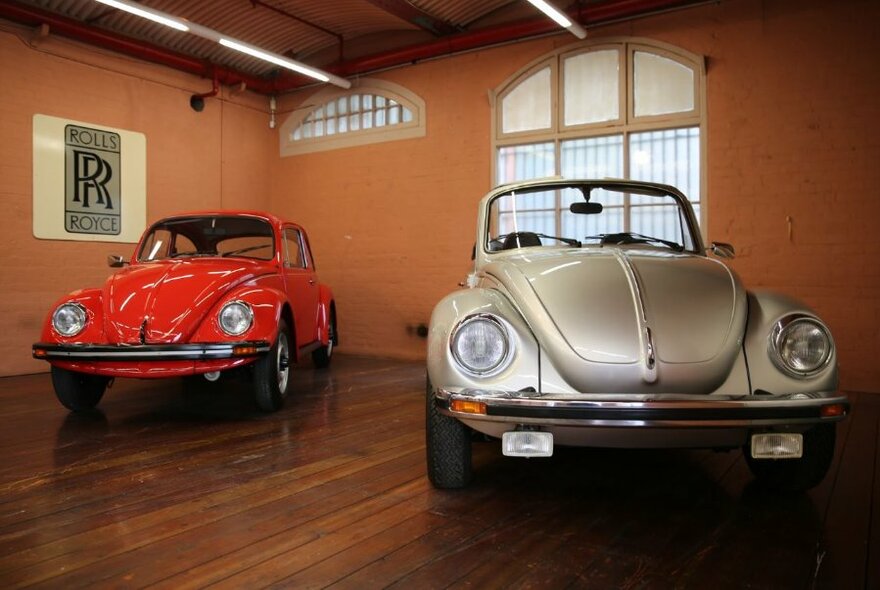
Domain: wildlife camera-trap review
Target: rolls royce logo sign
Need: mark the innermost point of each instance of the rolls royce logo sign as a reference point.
(93, 199)
(90, 181)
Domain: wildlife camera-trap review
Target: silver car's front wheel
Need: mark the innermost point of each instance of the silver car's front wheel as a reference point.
(448, 445)
(272, 373)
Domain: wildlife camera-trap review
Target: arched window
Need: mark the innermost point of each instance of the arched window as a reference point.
(372, 111)
(628, 108)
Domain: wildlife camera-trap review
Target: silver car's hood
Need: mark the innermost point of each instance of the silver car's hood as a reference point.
(666, 321)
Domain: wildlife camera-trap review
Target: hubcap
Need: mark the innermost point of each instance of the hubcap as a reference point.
(331, 337)
(282, 362)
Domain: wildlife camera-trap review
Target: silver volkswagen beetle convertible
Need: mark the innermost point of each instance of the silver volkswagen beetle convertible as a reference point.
(594, 317)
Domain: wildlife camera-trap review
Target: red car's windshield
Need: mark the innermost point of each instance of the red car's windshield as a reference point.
(182, 237)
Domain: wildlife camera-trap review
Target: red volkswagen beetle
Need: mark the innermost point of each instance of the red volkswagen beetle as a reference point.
(203, 293)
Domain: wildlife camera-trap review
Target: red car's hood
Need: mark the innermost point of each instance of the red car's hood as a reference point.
(164, 302)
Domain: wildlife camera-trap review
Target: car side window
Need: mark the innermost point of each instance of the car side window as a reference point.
(293, 250)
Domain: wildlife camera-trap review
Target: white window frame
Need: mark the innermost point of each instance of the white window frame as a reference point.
(626, 124)
(403, 130)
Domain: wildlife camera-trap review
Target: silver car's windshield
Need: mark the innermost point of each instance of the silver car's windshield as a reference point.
(566, 216)
(188, 237)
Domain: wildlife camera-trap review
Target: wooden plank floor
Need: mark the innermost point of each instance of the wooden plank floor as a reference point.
(171, 488)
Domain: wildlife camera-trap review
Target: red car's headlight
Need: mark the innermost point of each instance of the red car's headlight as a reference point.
(69, 319)
(235, 318)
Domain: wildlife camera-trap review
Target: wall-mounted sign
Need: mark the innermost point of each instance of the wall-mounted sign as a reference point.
(89, 181)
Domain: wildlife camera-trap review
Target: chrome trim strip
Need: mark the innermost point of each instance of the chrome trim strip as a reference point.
(649, 370)
(669, 410)
(145, 352)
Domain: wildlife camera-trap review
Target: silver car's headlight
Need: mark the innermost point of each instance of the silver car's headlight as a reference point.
(481, 346)
(236, 317)
(69, 319)
(800, 345)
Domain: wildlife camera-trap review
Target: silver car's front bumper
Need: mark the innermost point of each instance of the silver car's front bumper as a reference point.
(641, 419)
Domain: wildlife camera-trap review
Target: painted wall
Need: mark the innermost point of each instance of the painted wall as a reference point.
(793, 144)
(219, 157)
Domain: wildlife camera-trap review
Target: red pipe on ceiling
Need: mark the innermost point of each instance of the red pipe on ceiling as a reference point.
(588, 15)
(73, 29)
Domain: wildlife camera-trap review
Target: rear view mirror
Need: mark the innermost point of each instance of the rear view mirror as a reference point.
(585, 208)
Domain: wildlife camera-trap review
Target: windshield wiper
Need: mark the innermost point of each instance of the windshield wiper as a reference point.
(634, 238)
(191, 253)
(243, 250)
(498, 241)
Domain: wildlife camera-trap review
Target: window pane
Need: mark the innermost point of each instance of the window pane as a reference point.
(524, 162)
(592, 89)
(671, 156)
(342, 105)
(581, 226)
(528, 106)
(594, 157)
(662, 85)
(658, 221)
(407, 115)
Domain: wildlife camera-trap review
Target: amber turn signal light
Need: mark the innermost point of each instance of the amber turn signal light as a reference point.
(467, 407)
(39, 353)
(832, 411)
(244, 350)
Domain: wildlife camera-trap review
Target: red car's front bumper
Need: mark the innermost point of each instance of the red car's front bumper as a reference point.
(150, 360)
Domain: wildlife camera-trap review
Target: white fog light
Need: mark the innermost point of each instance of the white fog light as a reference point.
(480, 345)
(69, 319)
(236, 317)
(777, 445)
(800, 345)
(527, 443)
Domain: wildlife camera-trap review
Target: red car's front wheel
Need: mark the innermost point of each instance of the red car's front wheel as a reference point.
(78, 392)
(272, 372)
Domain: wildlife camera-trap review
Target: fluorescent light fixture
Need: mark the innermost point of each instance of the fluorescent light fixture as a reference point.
(212, 35)
(153, 15)
(560, 18)
(273, 58)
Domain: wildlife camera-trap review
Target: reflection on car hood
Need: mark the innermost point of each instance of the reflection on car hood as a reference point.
(164, 302)
(620, 306)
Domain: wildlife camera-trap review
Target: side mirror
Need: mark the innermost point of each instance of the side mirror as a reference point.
(723, 250)
(116, 261)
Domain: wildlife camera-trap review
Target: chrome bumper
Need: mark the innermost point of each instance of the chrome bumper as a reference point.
(642, 410)
(149, 352)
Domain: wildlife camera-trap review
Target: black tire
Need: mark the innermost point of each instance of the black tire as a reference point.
(322, 356)
(448, 446)
(78, 392)
(272, 373)
(797, 475)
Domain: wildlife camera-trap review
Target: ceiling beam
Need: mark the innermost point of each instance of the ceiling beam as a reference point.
(415, 16)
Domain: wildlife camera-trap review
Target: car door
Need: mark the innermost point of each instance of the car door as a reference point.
(302, 285)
